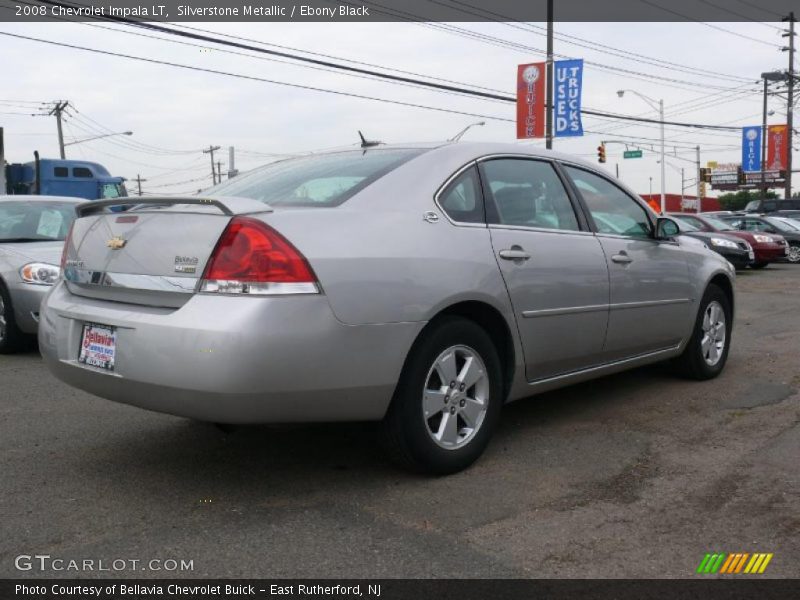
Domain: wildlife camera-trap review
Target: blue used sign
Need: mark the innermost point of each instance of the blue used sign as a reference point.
(751, 148)
(567, 82)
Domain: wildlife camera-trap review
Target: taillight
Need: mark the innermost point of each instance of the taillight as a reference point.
(252, 258)
(67, 240)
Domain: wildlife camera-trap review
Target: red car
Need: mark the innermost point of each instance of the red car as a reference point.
(767, 248)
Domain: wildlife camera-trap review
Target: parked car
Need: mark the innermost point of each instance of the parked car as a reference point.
(769, 225)
(421, 286)
(766, 248)
(32, 232)
(772, 205)
(790, 214)
(737, 251)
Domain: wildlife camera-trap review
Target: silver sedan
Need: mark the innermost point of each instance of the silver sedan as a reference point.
(32, 232)
(421, 286)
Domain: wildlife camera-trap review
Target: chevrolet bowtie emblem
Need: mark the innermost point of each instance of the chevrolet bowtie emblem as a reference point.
(116, 243)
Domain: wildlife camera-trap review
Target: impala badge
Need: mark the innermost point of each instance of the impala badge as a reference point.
(116, 242)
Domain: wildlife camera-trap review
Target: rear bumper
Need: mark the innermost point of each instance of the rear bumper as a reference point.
(26, 299)
(232, 360)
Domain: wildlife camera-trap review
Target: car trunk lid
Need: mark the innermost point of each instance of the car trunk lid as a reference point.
(152, 254)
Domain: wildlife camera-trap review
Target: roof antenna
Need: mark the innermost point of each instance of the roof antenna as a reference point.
(365, 143)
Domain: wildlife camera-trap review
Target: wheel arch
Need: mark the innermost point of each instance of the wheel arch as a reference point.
(724, 282)
(491, 320)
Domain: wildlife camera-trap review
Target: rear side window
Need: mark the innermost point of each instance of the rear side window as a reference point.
(61, 171)
(527, 193)
(81, 172)
(462, 199)
(322, 180)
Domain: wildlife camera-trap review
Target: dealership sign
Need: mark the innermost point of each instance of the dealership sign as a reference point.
(567, 97)
(530, 100)
(777, 147)
(751, 149)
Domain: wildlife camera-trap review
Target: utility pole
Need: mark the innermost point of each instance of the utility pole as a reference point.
(139, 182)
(683, 181)
(232, 172)
(58, 110)
(789, 106)
(211, 150)
(549, 74)
(2, 165)
(764, 139)
(219, 171)
(699, 182)
(663, 161)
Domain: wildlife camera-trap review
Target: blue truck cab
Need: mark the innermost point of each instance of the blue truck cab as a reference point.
(58, 177)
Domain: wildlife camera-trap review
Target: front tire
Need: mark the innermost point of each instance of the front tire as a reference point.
(707, 351)
(794, 254)
(448, 399)
(11, 338)
(759, 265)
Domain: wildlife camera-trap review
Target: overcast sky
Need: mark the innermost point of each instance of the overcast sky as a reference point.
(180, 110)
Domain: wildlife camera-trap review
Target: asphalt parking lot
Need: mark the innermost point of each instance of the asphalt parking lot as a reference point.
(635, 475)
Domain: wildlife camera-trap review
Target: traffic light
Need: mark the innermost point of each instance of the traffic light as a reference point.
(705, 175)
(601, 153)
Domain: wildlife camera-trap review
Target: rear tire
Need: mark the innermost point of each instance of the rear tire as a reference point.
(707, 351)
(447, 401)
(759, 265)
(11, 338)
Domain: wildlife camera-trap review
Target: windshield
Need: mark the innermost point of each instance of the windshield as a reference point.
(718, 224)
(318, 180)
(35, 221)
(782, 225)
(109, 191)
(685, 225)
(753, 205)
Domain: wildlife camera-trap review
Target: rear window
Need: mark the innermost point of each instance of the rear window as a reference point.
(323, 180)
(81, 172)
(35, 221)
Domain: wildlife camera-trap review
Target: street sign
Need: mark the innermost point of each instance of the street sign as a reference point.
(632, 154)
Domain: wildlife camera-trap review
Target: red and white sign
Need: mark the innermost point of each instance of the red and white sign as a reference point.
(777, 147)
(530, 100)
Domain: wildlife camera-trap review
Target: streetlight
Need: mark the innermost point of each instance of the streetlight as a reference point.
(97, 137)
(660, 107)
(457, 136)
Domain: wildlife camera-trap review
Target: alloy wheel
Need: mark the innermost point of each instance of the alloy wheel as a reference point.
(455, 397)
(712, 343)
(794, 254)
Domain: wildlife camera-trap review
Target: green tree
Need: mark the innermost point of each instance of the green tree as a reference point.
(738, 200)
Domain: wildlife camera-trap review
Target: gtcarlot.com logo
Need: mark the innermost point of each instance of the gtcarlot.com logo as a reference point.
(46, 562)
(734, 563)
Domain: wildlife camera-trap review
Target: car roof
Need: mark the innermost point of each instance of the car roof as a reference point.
(35, 198)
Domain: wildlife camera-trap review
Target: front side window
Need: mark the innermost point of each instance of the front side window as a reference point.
(321, 180)
(462, 199)
(612, 210)
(528, 193)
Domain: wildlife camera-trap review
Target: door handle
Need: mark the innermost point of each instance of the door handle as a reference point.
(622, 258)
(514, 254)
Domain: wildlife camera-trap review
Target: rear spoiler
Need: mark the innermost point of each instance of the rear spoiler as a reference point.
(229, 206)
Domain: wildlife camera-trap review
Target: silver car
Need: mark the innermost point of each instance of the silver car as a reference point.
(32, 232)
(420, 286)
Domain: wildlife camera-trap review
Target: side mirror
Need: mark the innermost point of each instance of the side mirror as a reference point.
(666, 228)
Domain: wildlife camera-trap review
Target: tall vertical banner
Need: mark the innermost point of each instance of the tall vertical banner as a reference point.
(777, 147)
(530, 100)
(751, 149)
(568, 79)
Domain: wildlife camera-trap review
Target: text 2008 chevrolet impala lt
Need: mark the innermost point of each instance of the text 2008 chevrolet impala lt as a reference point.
(423, 286)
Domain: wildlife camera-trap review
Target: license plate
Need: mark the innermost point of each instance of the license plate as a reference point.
(98, 346)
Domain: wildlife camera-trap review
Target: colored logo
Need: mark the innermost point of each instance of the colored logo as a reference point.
(734, 563)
